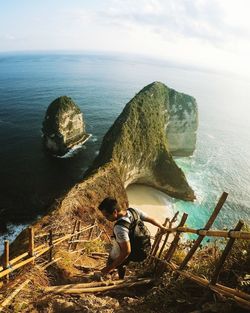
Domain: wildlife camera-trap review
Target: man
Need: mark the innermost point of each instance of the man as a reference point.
(112, 212)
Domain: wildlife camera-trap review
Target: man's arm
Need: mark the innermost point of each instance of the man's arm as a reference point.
(154, 221)
(125, 250)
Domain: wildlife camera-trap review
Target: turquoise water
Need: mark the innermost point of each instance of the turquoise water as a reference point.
(220, 163)
(101, 85)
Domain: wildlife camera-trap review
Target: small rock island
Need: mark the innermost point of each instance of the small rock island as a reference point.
(63, 126)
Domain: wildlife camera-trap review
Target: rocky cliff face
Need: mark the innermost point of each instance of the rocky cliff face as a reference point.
(135, 150)
(81, 202)
(182, 123)
(63, 126)
(138, 146)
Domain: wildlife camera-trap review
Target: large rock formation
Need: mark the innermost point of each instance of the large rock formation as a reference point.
(63, 126)
(135, 150)
(182, 123)
(138, 146)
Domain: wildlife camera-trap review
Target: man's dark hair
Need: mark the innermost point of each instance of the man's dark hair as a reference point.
(109, 205)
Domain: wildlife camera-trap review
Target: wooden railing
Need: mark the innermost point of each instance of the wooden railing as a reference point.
(162, 263)
(160, 256)
(33, 252)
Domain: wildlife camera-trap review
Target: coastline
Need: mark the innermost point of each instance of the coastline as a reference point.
(13, 231)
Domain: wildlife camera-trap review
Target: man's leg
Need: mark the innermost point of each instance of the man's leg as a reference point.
(122, 269)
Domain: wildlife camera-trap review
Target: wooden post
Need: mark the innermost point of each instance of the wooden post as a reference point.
(158, 238)
(78, 235)
(155, 241)
(167, 234)
(51, 245)
(105, 232)
(39, 252)
(91, 231)
(6, 257)
(207, 226)
(71, 238)
(225, 255)
(174, 243)
(31, 243)
(164, 243)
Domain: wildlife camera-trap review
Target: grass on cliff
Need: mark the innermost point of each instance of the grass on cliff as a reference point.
(185, 296)
(204, 261)
(23, 302)
(168, 296)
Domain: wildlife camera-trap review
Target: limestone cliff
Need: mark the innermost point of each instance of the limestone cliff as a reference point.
(63, 126)
(182, 123)
(138, 147)
(134, 150)
(80, 202)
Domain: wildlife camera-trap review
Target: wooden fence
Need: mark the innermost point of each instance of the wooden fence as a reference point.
(33, 252)
(161, 263)
(160, 256)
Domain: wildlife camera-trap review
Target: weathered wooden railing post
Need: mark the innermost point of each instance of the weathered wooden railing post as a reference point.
(158, 238)
(176, 239)
(224, 255)
(71, 238)
(104, 231)
(31, 243)
(78, 235)
(161, 265)
(173, 220)
(51, 245)
(207, 226)
(91, 231)
(6, 257)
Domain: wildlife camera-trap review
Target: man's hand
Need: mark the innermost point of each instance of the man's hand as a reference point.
(125, 250)
(163, 229)
(155, 222)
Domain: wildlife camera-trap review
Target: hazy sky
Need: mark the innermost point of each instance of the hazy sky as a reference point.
(212, 34)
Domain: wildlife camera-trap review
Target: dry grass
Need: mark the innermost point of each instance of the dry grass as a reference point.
(24, 300)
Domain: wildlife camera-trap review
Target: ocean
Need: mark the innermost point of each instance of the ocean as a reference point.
(101, 85)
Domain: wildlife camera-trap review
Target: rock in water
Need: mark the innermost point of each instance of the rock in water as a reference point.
(63, 126)
(138, 146)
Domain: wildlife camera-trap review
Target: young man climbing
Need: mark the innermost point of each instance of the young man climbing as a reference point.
(132, 238)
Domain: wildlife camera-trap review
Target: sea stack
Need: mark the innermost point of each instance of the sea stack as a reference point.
(63, 126)
(138, 143)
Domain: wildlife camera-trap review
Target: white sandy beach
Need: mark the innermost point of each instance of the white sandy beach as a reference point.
(152, 201)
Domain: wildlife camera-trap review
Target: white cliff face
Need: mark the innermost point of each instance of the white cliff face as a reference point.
(63, 126)
(71, 126)
(182, 123)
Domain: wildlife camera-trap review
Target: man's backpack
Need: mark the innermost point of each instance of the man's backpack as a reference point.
(139, 237)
